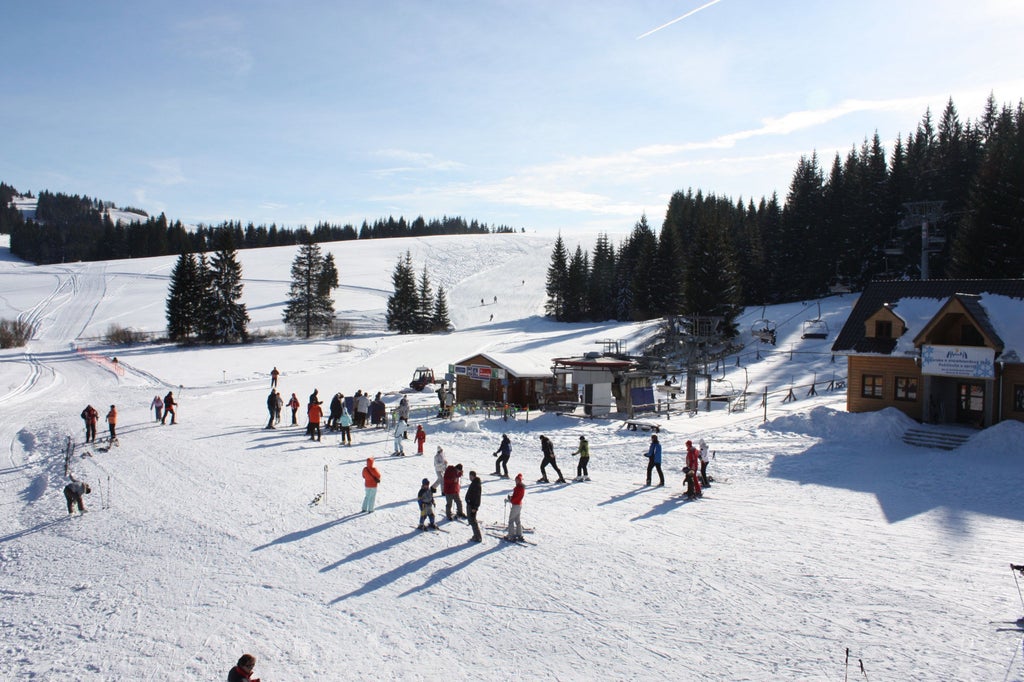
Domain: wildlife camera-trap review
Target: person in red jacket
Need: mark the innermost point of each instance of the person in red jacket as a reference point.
(371, 477)
(243, 670)
(451, 491)
(90, 416)
(294, 404)
(420, 438)
(315, 413)
(515, 524)
(693, 463)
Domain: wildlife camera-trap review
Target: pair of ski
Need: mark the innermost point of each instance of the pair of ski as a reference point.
(429, 528)
(517, 541)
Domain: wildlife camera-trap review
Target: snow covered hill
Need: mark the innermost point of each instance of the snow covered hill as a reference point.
(823, 532)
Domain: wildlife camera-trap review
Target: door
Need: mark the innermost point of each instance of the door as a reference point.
(970, 404)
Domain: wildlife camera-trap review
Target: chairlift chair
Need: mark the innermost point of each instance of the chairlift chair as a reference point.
(816, 328)
(839, 285)
(763, 330)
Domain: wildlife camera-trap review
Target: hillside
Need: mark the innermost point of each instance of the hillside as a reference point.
(822, 532)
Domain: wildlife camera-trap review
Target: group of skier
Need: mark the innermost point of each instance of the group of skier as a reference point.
(91, 416)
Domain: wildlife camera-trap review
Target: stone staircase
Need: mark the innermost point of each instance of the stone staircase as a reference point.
(941, 437)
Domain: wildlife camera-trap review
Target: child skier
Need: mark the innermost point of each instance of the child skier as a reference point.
(425, 498)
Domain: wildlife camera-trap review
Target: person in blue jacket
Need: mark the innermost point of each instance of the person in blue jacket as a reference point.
(654, 461)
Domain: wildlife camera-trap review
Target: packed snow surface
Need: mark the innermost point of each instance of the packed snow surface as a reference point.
(823, 533)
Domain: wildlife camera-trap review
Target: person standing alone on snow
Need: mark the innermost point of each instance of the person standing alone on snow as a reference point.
(515, 523)
(90, 416)
(273, 377)
(584, 452)
(549, 458)
(473, 504)
(371, 477)
(505, 448)
(654, 461)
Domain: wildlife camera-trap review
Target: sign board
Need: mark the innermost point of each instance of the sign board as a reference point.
(482, 372)
(967, 362)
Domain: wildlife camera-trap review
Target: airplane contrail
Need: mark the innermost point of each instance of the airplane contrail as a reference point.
(688, 14)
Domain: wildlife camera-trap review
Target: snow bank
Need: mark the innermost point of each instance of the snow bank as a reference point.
(827, 423)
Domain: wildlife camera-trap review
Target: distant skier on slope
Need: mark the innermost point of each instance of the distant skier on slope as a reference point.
(157, 405)
(170, 408)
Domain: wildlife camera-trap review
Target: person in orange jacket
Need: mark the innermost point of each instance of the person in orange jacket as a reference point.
(315, 413)
(371, 477)
(112, 423)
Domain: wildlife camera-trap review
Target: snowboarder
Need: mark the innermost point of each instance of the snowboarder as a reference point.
(169, 408)
(654, 461)
(371, 477)
(420, 438)
(242, 672)
(315, 413)
(549, 458)
(294, 403)
(505, 448)
(693, 462)
(451, 490)
(399, 436)
(112, 423)
(425, 498)
(73, 494)
(473, 495)
(271, 408)
(90, 416)
(345, 424)
(273, 377)
(440, 464)
(157, 406)
(515, 523)
(704, 459)
(584, 452)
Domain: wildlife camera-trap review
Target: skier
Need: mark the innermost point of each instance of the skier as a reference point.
(73, 494)
(549, 458)
(157, 406)
(332, 420)
(169, 408)
(505, 448)
(371, 477)
(90, 416)
(473, 495)
(704, 459)
(426, 502)
(654, 461)
(515, 523)
(420, 438)
(345, 424)
(271, 408)
(581, 468)
(315, 413)
(242, 672)
(112, 424)
(294, 403)
(451, 491)
(693, 461)
(399, 436)
(273, 377)
(440, 464)
(278, 404)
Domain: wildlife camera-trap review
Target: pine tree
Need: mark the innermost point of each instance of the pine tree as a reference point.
(558, 272)
(424, 304)
(402, 304)
(601, 286)
(310, 307)
(184, 300)
(226, 316)
(441, 321)
(576, 282)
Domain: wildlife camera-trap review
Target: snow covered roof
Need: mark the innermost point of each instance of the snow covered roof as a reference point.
(996, 305)
(521, 365)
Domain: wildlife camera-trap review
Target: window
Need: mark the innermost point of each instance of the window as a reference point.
(906, 388)
(871, 386)
(883, 329)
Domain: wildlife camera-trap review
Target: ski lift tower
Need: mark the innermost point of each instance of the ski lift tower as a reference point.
(923, 213)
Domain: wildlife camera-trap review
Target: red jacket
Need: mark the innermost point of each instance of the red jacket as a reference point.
(371, 477)
(693, 458)
(451, 480)
(421, 436)
(518, 493)
(315, 412)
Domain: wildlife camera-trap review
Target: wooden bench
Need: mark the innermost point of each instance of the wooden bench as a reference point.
(640, 425)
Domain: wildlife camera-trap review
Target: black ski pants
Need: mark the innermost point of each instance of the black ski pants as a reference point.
(581, 468)
(548, 459)
(651, 466)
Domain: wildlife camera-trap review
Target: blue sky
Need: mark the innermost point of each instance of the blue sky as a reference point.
(543, 115)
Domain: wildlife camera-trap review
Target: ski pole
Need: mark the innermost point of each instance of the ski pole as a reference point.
(1014, 569)
(846, 673)
(863, 672)
(504, 516)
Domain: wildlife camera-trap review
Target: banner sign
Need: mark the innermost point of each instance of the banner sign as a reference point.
(968, 362)
(482, 372)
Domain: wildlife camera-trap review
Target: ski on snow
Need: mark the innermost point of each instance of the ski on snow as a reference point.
(511, 541)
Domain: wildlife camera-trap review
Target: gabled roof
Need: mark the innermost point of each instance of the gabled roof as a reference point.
(517, 364)
(997, 306)
(971, 303)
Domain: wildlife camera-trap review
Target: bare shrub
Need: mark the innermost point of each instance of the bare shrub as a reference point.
(15, 333)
